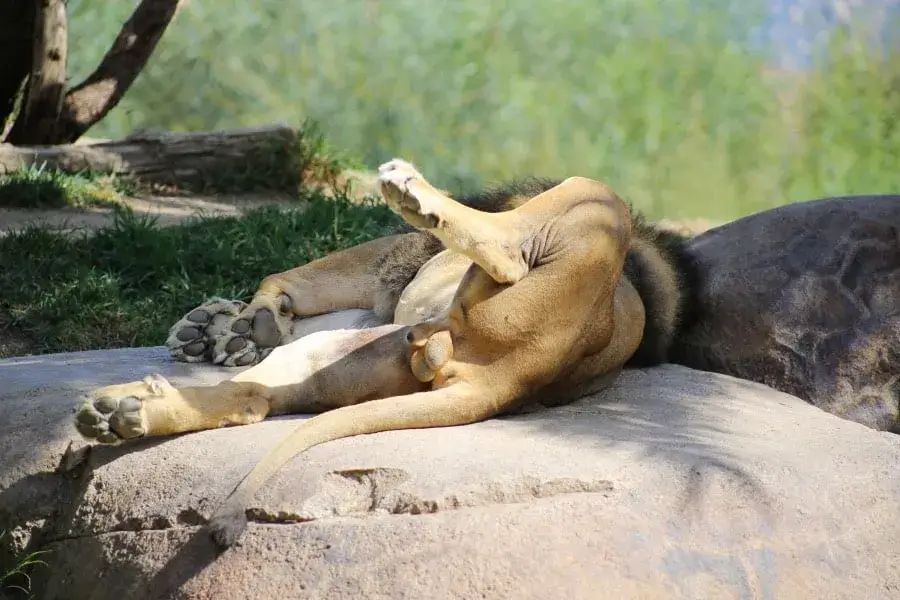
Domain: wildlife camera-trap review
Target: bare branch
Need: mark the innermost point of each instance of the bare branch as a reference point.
(91, 100)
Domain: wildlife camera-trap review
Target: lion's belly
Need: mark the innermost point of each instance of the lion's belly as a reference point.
(431, 291)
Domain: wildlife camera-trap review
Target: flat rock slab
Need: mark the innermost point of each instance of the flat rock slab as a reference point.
(673, 484)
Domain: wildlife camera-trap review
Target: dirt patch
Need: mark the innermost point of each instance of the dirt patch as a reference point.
(168, 210)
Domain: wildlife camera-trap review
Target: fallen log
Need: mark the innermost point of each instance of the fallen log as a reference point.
(262, 157)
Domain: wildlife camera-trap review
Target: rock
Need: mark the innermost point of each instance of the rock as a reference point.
(805, 298)
(673, 484)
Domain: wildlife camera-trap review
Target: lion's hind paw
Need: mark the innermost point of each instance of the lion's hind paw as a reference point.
(114, 414)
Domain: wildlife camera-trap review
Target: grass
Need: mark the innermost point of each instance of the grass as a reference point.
(39, 187)
(674, 103)
(128, 283)
(18, 578)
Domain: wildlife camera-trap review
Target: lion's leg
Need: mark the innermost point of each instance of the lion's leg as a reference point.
(233, 333)
(503, 244)
(478, 235)
(153, 407)
(456, 404)
(319, 372)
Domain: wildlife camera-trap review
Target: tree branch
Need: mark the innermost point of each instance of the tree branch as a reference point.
(91, 100)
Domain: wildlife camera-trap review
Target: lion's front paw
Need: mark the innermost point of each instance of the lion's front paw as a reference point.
(408, 193)
(193, 338)
(114, 414)
(261, 327)
(232, 333)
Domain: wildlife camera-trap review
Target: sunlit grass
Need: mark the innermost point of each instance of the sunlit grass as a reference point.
(126, 284)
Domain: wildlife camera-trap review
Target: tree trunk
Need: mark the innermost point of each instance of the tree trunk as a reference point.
(16, 29)
(258, 158)
(92, 99)
(37, 119)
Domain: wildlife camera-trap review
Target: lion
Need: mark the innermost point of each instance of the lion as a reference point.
(529, 295)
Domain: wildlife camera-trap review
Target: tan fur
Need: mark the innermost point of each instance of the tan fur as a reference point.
(541, 307)
(338, 281)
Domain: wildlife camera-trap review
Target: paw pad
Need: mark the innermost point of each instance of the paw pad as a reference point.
(115, 414)
(230, 332)
(416, 208)
(109, 420)
(193, 338)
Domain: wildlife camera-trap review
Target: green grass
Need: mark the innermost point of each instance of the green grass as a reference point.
(39, 187)
(666, 100)
(18, 577)
(128, 283)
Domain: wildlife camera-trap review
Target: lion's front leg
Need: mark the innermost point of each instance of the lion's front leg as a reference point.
(154, 407)
(236, 334)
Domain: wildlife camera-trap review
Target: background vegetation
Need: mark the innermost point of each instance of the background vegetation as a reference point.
(675, 103)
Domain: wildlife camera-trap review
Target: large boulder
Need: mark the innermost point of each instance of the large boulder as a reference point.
(804, 298)
(673, 484)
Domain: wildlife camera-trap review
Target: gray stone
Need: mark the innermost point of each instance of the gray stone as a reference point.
(805, 298)
(673, 484)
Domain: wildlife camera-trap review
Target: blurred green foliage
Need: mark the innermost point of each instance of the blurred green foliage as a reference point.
(666, 101)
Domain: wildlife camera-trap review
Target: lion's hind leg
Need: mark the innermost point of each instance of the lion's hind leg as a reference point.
(316, 373)
(154, 407)
(206, 333)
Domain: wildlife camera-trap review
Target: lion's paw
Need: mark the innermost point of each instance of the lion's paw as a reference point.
(397, 178)
(232, 333)
(114, 414)
(254, 333)
(193, 338)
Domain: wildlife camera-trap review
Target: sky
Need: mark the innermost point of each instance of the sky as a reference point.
(794, 25)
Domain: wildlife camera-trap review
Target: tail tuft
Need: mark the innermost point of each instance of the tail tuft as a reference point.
(227, 526)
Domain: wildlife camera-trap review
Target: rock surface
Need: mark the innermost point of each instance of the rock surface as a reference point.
(673, 484)
(804, 298)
